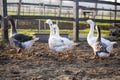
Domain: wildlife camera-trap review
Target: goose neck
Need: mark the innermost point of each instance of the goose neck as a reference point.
(91, 32)
(13, 28)
(57, 30)
(51, 29)
(98, 34)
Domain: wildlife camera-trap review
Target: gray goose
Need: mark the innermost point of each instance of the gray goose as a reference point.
(19, 41)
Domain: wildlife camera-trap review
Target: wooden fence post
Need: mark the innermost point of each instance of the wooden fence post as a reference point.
(43, 9)
(68, 12)
(115, 12)
(102, 12)
(110, 14)
(39, 22)
(76, 20)
(18, 12)
(59, 11)
(95, 10)
(4, 24)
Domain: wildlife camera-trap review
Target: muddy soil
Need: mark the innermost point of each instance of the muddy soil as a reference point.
(43, 64)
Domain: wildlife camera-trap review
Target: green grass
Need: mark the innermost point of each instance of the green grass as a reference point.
(29, 32)
(84, 32)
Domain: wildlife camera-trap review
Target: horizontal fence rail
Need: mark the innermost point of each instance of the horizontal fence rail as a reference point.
(68, 18)
(98, 1)
(62, 18)
(81, 7)
(74, 13)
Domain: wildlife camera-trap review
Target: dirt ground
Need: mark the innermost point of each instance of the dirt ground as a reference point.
(43, 64)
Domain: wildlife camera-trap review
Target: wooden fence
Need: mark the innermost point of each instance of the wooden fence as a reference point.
(75, 18)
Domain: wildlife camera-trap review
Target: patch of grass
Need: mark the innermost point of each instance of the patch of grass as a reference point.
(104, 24)
(84, 32)
(27, 31)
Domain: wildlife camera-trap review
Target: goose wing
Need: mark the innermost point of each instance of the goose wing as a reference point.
(17, 43)
(103, 47)
(93, 40)
(100, 47)
(58, 42)
(67, 41)
(105, 41)
(22, 37)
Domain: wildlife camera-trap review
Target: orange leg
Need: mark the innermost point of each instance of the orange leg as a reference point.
(19, 52)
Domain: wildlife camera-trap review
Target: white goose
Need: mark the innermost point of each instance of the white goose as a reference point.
(17, 40)
(92, 41)
(67, 42)
(91, 38)
(56, 42)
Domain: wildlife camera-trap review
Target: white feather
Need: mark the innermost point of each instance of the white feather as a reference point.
(56, 42)
(91, 39)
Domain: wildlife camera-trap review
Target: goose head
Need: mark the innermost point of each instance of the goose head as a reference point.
(89, 21)
(12, 24)
(8, 17)
(49, 21)
(10, 20)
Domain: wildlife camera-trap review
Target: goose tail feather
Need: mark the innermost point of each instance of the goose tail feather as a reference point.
(110, 47)
(35, 38)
